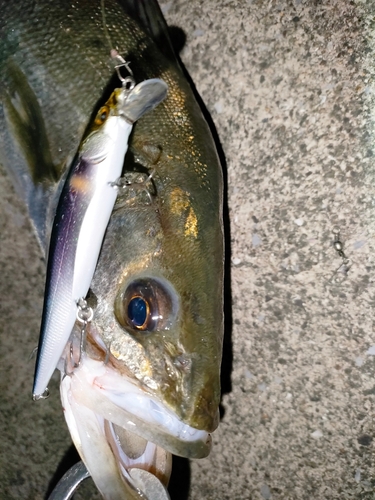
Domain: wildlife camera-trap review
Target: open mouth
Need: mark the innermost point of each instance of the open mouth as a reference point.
(115, 398)
(118, 428)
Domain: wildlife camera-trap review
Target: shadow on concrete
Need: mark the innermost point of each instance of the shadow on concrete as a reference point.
(179, 484)
(70, 458)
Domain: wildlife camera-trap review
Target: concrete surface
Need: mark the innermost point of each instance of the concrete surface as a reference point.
(290, 88)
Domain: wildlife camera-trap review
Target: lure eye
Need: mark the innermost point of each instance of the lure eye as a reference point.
(147, 305)
(102, 115)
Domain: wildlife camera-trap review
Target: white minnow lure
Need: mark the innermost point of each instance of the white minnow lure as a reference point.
(82, 216)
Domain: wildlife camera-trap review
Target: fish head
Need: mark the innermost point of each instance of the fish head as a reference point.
(157, 291)
(160, 318)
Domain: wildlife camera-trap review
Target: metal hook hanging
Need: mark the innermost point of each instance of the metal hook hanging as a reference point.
(128, 81)
(84, 316)
(124, 183)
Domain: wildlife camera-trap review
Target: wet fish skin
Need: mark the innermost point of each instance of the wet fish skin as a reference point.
(176, 245)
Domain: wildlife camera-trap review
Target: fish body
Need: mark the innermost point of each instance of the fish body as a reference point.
(82, 216)
(152, 363)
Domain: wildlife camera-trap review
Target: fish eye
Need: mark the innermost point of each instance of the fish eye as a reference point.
(147, 305)
(138, 312)
(102, 115)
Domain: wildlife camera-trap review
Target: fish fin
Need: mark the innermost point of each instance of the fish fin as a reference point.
(25, 149)
(25, 121)
(148, 15)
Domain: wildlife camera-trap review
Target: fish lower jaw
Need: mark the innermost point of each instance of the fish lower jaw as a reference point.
(121, 464)
(117, 399)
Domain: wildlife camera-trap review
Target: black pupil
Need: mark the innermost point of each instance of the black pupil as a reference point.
(137, 311)
(103, 116)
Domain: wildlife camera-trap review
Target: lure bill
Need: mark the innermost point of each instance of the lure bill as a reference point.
(82, 216)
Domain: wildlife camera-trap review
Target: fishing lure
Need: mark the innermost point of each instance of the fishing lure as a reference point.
(82, 216)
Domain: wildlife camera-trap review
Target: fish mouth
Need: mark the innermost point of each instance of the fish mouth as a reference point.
(114, 457)
(113, 396)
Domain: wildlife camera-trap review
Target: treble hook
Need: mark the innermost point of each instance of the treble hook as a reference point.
(84, 316)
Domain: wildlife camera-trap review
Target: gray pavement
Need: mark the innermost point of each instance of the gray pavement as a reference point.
(290, 88)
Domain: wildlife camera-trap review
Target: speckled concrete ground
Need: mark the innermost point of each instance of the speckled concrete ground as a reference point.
(290, 88)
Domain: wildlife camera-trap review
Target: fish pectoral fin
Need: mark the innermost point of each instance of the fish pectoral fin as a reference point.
(25, 122)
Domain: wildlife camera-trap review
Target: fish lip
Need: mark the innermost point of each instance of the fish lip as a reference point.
(117, 398)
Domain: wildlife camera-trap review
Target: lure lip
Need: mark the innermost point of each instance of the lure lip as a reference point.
(142, 99)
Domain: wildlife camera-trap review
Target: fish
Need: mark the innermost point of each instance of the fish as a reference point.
(146, 382)
(82, 216)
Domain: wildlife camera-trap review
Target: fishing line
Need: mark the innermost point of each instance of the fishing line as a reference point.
(106, 32)
(128, 82)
